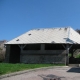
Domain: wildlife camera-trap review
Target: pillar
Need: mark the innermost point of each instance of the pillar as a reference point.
(67, 53)
(72, 53)
(42, 46)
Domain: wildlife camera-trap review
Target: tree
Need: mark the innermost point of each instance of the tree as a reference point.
(78, 30)
(2, 55)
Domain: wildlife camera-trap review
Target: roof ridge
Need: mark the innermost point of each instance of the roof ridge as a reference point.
(69, 33)
(51, 28)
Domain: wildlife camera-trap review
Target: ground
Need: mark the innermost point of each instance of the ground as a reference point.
(62, 73)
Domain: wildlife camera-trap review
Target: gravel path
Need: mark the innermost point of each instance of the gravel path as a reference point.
(64, 73)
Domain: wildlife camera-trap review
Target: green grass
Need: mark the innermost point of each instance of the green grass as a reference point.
(8, 68)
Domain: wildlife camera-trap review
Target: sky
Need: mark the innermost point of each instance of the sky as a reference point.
(20, 16)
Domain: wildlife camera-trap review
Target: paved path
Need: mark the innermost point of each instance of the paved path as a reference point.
(64, 73)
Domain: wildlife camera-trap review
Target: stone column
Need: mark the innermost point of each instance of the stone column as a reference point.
(42, 46)
(42, 57)
(7, 54)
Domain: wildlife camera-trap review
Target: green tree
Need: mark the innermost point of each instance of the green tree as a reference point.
(78, 30)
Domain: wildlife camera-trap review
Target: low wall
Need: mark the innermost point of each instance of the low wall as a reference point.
(42, 59)
(48, 57)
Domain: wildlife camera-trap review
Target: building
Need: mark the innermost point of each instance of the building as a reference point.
(49, 45)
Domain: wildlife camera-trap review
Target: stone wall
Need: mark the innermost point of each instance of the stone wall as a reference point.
(42, 59)
(43, 56)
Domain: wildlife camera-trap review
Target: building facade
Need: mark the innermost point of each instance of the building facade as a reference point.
(51, 45)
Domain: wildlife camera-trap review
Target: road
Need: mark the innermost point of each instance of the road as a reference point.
(64, 73)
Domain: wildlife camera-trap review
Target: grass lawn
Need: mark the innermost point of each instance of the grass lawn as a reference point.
(8, 68)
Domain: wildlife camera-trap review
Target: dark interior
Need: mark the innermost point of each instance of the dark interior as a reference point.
(54, 47)
(72, 59)
(14, 54)
(32, 47)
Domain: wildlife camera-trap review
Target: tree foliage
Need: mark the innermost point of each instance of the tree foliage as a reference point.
(2, 54)
(78, 30)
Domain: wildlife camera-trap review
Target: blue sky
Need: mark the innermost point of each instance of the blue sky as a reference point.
(20, 16)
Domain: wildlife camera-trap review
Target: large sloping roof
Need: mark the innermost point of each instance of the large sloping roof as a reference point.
(48, 35)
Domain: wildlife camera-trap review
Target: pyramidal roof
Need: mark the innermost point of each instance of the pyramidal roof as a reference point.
(48, 35)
